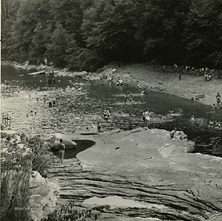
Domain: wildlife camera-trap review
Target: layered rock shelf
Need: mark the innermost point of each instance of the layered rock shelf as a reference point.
(146, 167)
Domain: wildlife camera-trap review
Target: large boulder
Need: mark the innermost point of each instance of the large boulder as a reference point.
(67, 140)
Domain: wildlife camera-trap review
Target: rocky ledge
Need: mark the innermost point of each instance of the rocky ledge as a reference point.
(142, 174)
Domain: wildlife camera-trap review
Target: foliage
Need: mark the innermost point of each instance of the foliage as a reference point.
(88, 34)
(203, 32)
(40, 155)
(72, 213)
(15, 175)
(20, 156)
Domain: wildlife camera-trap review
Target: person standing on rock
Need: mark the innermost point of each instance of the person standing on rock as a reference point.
(144, 118)
(61, 150)
(147, 117)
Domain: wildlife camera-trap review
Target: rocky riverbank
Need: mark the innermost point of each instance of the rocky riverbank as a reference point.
(148, 77)
(142, 174)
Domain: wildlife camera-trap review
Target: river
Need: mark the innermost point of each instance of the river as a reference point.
(81, 104)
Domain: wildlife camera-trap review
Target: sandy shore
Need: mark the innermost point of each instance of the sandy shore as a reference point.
(147, 77)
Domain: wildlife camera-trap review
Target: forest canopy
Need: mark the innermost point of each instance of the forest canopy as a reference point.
(86, 34)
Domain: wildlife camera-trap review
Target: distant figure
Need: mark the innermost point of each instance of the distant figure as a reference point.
(172, 133)
(130, 97)
(53, 101)
(61, 150)
(192, 120)
(144, 118)
(142, 93)
(147, 117)
(211, 125)
(209, 76)
(106, 114)
(50, 102)
(44, 98)
(218, 98)
(126, 97)
(114, 70)
(213, 109)
(179, 76)
(98, 127)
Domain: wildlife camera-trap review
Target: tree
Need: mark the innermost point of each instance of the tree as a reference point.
(203, 33)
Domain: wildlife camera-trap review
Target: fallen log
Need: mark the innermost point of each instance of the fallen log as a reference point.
(37, 73)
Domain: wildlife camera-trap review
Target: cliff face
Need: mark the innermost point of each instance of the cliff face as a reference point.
(143, 173)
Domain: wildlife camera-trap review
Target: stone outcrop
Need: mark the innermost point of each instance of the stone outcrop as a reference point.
(44, 196)
(145, 167)
(55, 140)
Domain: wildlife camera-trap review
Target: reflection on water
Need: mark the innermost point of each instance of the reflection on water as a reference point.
(80, 104)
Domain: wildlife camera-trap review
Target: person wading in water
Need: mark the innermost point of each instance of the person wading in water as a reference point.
(61, 150)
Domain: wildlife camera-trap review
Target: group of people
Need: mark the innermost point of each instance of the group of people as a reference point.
(106, 114)
(118, 81)
(52, 102)
(214, 125)
(207, 76)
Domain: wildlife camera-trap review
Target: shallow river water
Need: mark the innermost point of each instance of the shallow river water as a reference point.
(80, 105)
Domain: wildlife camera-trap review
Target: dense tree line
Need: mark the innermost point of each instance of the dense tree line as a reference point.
(87, 34)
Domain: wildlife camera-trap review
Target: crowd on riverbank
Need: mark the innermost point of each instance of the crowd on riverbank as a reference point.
(57, 110)
(148, 78)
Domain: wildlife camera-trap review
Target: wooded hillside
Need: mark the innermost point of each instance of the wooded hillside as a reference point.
(84, 35)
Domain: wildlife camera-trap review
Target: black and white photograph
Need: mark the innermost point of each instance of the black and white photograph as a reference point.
(111, 110)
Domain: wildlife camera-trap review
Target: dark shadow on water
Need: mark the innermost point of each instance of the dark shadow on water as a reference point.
(81, 146)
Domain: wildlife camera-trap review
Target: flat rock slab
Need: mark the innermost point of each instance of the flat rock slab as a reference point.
(156, 169)
(145, 168)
